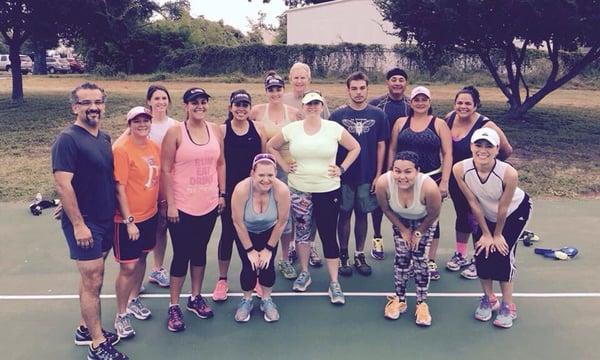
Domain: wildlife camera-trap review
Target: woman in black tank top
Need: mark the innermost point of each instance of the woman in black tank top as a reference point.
(430, 138)
(243, 139)
(463, 122)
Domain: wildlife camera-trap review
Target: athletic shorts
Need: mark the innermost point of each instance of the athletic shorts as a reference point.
(358, 197)
(102, 234)
(127, 250)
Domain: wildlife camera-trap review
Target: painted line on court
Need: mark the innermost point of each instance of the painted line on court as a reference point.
(314, 294)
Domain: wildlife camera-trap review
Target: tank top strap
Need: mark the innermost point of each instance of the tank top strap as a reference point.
(285, 114)
(406, 124)
(432, 124)
(252, 128)
(450, 119)
(265, 117)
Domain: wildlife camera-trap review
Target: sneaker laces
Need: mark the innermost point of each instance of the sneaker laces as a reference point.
(432, 265)
(422, 310)
(336, 289)
(484, 303)
(302, 276)
(175, 313)
(105, 349)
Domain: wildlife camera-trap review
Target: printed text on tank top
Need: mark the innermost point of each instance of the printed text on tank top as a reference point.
(187, 130)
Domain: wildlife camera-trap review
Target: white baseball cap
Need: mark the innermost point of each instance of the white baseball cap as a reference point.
(312, 96)
(420, 90)
(487, 134)
(138, 110)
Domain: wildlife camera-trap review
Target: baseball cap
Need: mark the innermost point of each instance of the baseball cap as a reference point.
(312, 95)
(194, 93)
(274, 80)
(420, 90)
(487, 134)
(240, 97)
(396, 71)
(138, 110)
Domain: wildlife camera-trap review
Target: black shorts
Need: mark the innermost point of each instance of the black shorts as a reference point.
(102, 234)
(127, 250)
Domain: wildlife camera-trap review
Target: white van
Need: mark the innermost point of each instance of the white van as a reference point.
(26, 63)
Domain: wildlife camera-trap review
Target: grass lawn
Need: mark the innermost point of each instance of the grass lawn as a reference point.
(557, 145)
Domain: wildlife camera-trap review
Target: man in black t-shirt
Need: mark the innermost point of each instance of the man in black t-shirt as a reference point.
(395, 105)
(82, 164)
(369, 126)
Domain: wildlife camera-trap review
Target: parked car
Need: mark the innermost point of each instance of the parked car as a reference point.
(76, 65)
(26, 63)
(57, 65)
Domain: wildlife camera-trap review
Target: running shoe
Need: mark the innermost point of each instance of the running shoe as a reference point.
(123, 326)
(220, 292)
(138, 309)
(175, 319)
(292, 255)
(470, 272)
(83, 336)
(336, 296)
(457, 262)
(270, 309)
(394, 307)
(422, 314)
(302, 282)
(434, 273)
(287, 269)
(258, 289)
(485, 308)
(199, 307)
(360, 263)
(160, 277)
(344, 269)
(314, 259)
(244, 310)
(142, 289)
(105, 351)
(377, 250)
(506, 315)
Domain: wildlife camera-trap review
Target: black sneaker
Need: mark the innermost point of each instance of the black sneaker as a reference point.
(360, 263)
(344, 269)
(105, 351)
(83, 337)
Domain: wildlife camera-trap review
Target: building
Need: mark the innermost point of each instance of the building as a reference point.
(350, 21)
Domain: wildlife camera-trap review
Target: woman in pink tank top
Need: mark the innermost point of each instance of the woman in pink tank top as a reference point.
(193, 180)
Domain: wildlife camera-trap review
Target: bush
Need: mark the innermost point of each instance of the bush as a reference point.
(104, 70)
(159, 76)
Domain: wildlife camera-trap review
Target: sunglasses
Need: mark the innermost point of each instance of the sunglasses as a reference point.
(241, 104)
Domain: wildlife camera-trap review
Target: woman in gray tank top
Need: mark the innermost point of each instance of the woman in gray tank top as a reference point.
(411, 201)
(260, 206)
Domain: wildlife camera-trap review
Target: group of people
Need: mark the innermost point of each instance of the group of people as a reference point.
(283, 171)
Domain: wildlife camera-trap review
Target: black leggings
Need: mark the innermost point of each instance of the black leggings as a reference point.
(190, 238)
(228, 233)
(465, 221)
(320, 210)
(266, 277)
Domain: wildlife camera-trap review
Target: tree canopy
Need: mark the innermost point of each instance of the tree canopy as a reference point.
(488, 27)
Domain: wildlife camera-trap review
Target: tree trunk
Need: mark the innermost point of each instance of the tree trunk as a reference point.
(17, 77)
(39, 62)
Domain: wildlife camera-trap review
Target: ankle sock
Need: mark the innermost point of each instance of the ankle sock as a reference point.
(461, 248)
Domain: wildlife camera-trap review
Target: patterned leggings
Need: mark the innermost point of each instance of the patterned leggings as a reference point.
(408, 260)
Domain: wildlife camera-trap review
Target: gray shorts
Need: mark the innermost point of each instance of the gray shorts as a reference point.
(358, 197)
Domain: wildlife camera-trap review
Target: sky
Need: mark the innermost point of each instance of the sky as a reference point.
(236, 12)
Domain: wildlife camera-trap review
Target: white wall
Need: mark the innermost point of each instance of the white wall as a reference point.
(352, 21)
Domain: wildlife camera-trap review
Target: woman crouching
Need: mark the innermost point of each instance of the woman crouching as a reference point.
(411, 201)
(260, 207)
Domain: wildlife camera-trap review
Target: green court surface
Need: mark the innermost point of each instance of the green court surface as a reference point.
(557, 301)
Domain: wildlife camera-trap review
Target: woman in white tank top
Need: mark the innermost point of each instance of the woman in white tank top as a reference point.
(411, 201)
(501, 209)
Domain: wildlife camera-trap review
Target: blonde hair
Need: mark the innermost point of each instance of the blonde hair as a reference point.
(300, 66)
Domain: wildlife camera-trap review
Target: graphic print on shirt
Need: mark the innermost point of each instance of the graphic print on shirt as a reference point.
(153, 172)
(204, 174)
(358, 126)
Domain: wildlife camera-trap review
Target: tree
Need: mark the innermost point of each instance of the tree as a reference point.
(487, 28)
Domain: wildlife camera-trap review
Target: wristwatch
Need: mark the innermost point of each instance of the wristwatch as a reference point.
(222, 194)
(129, 220)
(417, 233)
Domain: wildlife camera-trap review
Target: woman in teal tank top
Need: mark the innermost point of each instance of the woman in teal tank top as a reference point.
(260, 207)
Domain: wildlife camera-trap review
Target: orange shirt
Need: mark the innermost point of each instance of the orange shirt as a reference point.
(137, 167)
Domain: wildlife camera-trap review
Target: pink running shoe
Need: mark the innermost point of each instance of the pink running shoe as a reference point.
(220, 292)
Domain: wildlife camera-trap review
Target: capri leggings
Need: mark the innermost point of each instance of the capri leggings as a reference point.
(419, 258)
(228, 233)
(266, 277)
(320, 211)
(465, 222)
(497, 266)
(190, 238)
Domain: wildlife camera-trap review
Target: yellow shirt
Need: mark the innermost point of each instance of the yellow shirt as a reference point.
(313, 155)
